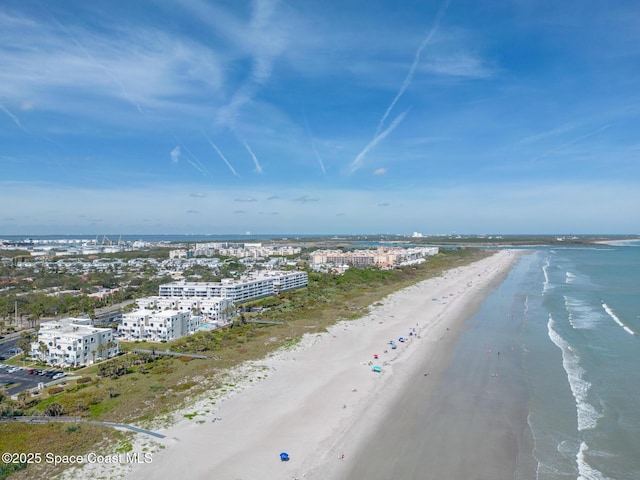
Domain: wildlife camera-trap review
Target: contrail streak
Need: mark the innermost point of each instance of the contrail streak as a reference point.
(414, 65)
(14, 118)
(196, 163)
(601, 129)
(193, 161)
(571, 142)
(313, 144)
(358, 161)
(222, 156)
(255, 159)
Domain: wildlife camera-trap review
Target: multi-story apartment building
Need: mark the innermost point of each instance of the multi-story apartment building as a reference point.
(73, 342)
(382, 257)
(259, 285)
(183, 307)
(156, 326)
(214, 309)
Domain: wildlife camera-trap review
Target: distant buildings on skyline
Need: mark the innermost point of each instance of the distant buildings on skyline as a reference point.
(383, 257)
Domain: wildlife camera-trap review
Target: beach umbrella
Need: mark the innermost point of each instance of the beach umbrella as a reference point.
(401, 339)
(284, 456)
(394, 346)
(375, 355)
(376, 368)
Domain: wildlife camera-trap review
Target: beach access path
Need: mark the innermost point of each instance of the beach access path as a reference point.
(320, 400)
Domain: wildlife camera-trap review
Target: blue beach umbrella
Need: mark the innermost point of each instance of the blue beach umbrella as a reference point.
(284, 456)
(376, 368)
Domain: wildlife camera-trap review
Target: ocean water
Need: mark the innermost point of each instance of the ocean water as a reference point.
(543, 384)
(579, 311)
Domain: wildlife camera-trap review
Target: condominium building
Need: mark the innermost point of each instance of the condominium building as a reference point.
(156, 326)
(381, 257)
(73, 342)
(263, 284)
(214, 309)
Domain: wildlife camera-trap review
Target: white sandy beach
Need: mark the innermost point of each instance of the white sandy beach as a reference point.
(319, 401)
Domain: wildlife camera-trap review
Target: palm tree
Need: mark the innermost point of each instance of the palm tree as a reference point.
(43, 349)
(25, 345)
(110, 346)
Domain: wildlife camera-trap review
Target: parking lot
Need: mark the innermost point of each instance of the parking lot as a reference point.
(20, 379)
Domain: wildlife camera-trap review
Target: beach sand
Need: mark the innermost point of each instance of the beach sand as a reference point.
(321, 402)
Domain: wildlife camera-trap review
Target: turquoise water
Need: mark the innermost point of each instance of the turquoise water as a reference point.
(580, 311)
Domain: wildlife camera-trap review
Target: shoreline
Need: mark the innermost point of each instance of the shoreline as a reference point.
(418, 378)
(320, 400)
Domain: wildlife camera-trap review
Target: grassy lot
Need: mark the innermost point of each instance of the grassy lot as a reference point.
(142, 388)
(55, 439)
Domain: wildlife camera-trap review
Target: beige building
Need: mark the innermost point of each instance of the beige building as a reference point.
(380, 257)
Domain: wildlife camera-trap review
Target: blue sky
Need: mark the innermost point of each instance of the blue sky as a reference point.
(195, 116)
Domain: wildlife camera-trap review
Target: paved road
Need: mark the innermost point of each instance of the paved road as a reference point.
(7, 344)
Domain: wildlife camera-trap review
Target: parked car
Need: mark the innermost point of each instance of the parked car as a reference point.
(58, 375)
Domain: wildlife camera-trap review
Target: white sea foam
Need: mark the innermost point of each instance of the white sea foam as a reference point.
(545, 269)
(617, 320)
(535, 446)
(582, 316)
(586, 471)
(569, 277)
(587, 414)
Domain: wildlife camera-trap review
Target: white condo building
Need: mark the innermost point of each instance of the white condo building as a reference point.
(183, 307)
(260, 285)
(215, 309)
(73, 342)
(156, 326)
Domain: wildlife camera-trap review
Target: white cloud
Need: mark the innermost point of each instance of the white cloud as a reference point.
(306, 199)
(380, 171)
(175, 154)
(139, 66)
